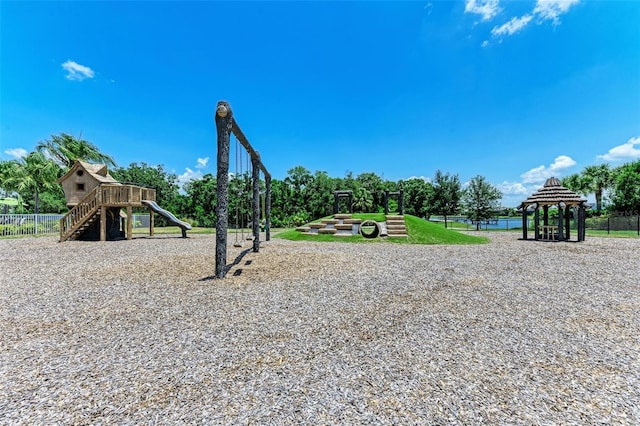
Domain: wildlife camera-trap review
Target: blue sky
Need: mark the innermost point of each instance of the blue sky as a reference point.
(516, 91)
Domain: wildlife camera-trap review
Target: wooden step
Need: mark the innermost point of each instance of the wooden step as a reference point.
(394, 217)
(330, 221)
(342, 216)
(327, 231)
(303, 229)
(394, 226)
(352, 221)
(316, 225)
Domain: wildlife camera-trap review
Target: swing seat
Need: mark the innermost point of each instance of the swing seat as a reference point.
(237, 244)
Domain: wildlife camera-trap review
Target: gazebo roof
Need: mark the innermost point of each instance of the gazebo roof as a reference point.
(552, 193)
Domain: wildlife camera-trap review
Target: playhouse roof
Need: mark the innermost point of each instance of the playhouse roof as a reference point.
(97, 171)
(553, 193)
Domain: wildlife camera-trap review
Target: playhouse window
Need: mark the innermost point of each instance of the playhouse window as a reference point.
(79, 186)
(80, 172)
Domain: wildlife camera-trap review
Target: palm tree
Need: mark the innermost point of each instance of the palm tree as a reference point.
(65, 149)
(596, 179)
(32, 174)
(362, 200)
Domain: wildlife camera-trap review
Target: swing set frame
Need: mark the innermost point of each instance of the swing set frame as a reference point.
(225, 125)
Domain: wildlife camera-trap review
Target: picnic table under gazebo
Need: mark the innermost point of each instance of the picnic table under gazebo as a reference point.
(553, 194)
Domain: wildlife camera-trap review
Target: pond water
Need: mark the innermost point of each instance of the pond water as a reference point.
(501, 223)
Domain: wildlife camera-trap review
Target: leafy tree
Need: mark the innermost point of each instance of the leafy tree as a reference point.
(297, 180)
(417, 195)
(375, 186)
(200, 202)
(318, 195)
(31, 176)
(446, 195)
(65, 149)
(164, 183)
(626, 188)
(480, 200)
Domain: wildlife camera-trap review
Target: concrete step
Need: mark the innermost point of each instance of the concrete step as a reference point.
(344, 226)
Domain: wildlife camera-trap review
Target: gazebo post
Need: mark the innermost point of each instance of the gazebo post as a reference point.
(567, 222)
(537, 223)
(560, 222)
(581, 223)
(524, 222)
(545, 215)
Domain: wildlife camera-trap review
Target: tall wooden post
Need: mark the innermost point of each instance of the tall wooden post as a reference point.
(267, 208)
(386, 202)
(256, 205)
(524, 222)
(103, 223)
(536, 226)
(560, 223)
(224, 122)
(400, 202)
(129, 222)
(567, 221)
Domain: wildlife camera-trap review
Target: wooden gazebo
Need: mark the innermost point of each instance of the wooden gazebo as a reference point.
(552, 194)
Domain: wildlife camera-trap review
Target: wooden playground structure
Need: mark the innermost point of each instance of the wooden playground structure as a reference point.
(95, 200)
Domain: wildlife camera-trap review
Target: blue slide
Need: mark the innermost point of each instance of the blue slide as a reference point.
(169, 216)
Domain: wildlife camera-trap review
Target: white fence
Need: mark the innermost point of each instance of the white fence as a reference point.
(45, 224)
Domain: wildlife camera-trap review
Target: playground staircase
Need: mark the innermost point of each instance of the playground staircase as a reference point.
(80, 217)
(396, 226)
(88, 210)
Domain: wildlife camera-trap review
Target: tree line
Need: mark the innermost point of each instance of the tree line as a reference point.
(298, 198)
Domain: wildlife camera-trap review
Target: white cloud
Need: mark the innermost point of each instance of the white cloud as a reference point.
(16, 152)
(544, 10)
(188, 176)
(485, 8)
(552, 9)
(541, 173)
(513, 188)
(626, 151)
(426, 179)
(76, 71)
(202, 163)
(511, 27)
(485, 43)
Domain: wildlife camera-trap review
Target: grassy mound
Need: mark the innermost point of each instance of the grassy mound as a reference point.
(419, 230)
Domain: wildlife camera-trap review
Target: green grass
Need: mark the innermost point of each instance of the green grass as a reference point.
(612, 234)
(420, 232)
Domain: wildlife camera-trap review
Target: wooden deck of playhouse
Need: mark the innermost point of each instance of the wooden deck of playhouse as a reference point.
(95, 204)
(345, 225)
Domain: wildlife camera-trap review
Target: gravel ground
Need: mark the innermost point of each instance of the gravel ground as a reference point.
(510, 332)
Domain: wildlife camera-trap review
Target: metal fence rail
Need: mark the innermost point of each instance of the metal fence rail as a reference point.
(16, 225)
(29, 224)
